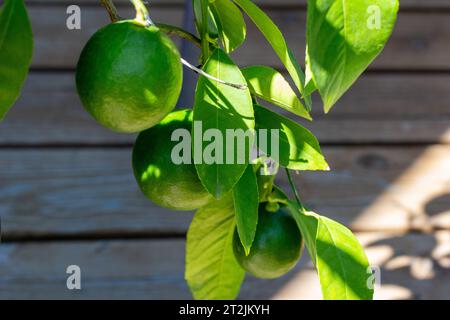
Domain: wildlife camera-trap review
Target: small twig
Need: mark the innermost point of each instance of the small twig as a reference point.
(112, 10)
(204, 31)
(294, 188)
(170, 30)
(207, 75)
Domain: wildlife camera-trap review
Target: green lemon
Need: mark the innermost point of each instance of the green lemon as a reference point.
(276, 248)
(129, 77)
(170, 185)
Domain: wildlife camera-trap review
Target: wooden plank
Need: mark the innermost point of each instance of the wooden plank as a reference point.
(405, 4)
(420, 41)
(67, 188)
(379, 108)
(411, 265)
(67, 192)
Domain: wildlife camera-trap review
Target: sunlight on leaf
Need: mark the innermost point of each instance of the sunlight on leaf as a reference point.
(341, 263)
(298, 148)
(343, 38)
(212, 271)
(230, 24)
(276, 39)
(270, 85)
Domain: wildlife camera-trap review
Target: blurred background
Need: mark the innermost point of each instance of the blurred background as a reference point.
(68, 196)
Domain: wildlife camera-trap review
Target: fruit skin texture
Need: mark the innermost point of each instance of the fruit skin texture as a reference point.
(129, 77)
(276, 248)
(162, 181)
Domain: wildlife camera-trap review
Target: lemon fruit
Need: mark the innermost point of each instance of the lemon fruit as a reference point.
(276, 248)
(170, 185)
(129, 77)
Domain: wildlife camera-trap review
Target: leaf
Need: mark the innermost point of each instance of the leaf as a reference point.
(298, 149)
(246, 202)
(16, 48)
(230, 24)
(270, 85)
(343, 38)
(219, 108)
(212, 25)
(212, 271)
(341, 263)
(275, 38)
(310, 86)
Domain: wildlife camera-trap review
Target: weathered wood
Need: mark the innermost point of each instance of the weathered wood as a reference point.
(420, 41)
(379, 108)
(48, 192)
(411, 265)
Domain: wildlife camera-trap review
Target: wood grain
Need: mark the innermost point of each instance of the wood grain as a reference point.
(411, 265)
(379, 108)
(414, 45)
(92, 192)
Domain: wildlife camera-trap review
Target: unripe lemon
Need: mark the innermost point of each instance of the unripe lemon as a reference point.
(129, 77)
(277, 246)
(170, 185)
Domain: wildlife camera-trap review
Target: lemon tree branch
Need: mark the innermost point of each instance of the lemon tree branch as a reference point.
(204, 31)
(112, 10)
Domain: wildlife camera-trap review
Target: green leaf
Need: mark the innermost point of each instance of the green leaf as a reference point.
(275, 38)
(212, 25)
(298, 149)
(343, 38)
(246, 202)
(341, 263)
(270, 85)
(220, 109)
(16, 48)
(310, 86)
(230, 24)
(212, 271)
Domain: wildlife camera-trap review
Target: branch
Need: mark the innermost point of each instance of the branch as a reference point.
(293, 187)
(170, 30)
(204, 31)
(112, 10)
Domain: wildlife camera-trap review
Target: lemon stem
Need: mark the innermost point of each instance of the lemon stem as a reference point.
(204, 31)
(112, 10)
(293, 187)
(142, 15)
(173, 30)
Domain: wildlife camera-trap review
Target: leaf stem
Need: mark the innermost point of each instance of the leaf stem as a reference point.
(112, 10)
(293, 187)
(174, 30)
(204, 31)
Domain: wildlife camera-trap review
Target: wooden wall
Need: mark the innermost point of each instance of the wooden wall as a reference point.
(67, 195)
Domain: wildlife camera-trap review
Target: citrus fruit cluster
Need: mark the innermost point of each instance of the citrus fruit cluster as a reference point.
(129, 78)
